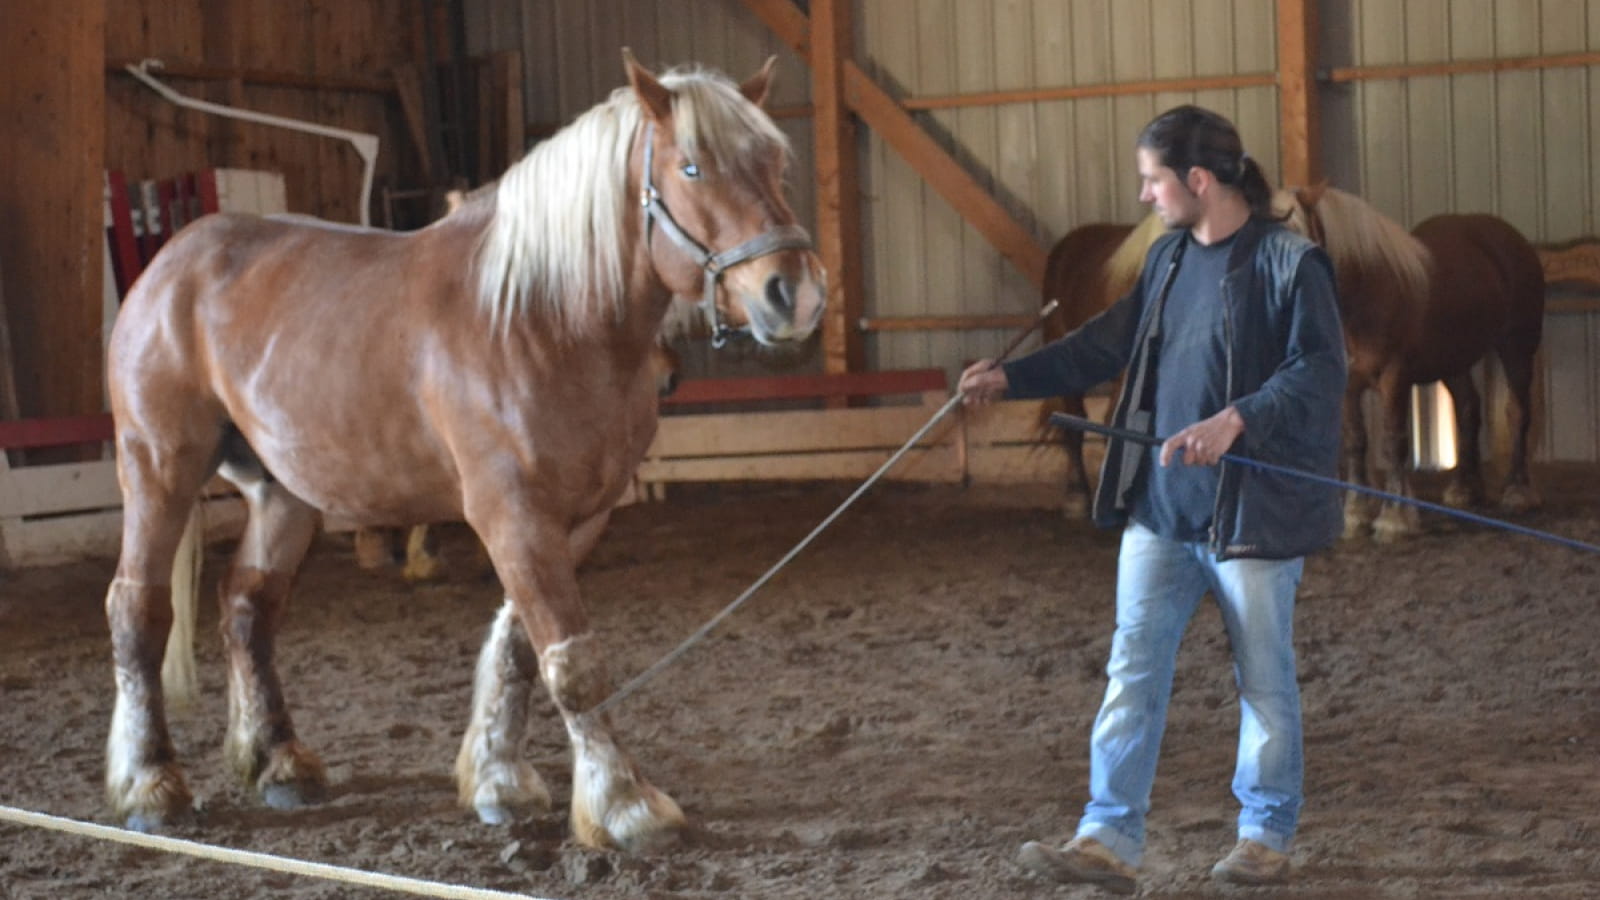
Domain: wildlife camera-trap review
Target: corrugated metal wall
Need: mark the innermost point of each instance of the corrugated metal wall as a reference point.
(1055, 165)
(1517, 143)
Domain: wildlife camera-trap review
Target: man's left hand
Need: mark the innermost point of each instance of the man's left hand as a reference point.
(1204, 442)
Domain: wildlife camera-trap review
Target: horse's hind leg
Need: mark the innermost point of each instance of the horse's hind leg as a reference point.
(261, 744)
(1076, 504)
(161, 481)
(1518, 362)
(1466, 482)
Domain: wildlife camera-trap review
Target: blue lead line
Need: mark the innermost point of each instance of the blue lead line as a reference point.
(1078, 423)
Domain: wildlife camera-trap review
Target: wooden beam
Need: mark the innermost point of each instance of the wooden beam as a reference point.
(1299, 122)
(52, 139)
(838, 186)
(1081, 91)
(1462, 67)
(969, 198)
(880, 111)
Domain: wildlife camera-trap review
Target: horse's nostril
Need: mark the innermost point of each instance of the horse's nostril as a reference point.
(779, 293)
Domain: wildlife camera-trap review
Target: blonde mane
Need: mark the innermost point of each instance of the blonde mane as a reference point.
(554, 243)
(1123, 268)
(1365, 245)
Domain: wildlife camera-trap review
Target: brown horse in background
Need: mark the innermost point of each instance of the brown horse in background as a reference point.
(1424, 307)
(1088, 269)
(492, 368)
(1416, 307)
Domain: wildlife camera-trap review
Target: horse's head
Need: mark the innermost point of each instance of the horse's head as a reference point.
(710, 165)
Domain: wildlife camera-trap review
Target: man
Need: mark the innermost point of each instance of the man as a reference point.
(1232, 343)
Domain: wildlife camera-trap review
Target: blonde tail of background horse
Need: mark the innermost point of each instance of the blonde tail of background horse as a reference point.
(178, 679)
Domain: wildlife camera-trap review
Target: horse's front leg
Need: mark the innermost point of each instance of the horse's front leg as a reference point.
(261, 743)
(612, 804)
(1397, 519)
(1358, 509)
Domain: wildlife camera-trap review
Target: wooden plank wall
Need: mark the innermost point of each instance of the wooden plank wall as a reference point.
(149, 137)
(51, 244)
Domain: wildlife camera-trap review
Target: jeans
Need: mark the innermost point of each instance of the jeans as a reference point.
(1159, 585)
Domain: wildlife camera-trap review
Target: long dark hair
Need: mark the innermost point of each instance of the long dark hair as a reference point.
(1187, 136)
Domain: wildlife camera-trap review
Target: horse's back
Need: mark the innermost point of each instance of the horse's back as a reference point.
(1075, 275)
(1487, 284)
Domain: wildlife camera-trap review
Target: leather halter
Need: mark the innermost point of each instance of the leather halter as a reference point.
(781, 237)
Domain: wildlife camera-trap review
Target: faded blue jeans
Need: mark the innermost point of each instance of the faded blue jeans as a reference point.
(1159, 585)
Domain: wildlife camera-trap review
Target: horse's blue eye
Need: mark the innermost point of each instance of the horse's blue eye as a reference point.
(691, 171)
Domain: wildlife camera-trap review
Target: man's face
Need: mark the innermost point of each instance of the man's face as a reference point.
(1168, 196)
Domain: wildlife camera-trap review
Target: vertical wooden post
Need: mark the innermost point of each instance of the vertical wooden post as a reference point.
(52, 141)
(1298, 117)
(838, 185)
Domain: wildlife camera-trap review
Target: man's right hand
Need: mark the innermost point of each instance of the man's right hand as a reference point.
(982, 382)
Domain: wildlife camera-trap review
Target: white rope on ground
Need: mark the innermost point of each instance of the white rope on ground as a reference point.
(414, 886)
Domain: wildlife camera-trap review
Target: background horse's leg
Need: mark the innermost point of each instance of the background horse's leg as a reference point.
(144, 784)
(612, 803)
(1518, 360)
(422, 555)
(1358, 508)
(374, 547)
(1466, 482)
(1396, 520)
(261, 743)
(491, 775)
(1076, 503)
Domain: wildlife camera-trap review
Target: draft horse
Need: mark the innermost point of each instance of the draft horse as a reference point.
(493, 368)
(1416, 308)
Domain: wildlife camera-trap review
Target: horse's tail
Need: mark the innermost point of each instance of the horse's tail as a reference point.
(178, 679)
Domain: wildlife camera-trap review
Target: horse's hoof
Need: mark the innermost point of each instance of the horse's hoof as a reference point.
(650, 822)
(1462, 496)
(423, 568)
(285, 797)
(1355, 529)
(496, 814)
(1075, 507)
(1520, 498)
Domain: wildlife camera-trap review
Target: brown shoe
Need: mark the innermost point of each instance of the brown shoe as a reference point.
(1082, 860)
(1252, 862)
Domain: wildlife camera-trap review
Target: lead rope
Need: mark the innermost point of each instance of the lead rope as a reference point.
(1078, 423)
(655, 669)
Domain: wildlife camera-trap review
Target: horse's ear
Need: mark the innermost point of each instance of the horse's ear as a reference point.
(1310, 196)
(756, 87)
(655, 98)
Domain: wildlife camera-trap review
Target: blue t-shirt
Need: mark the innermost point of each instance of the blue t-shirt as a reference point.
(1176, 501)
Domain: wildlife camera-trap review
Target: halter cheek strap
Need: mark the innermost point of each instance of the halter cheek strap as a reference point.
(781, 237)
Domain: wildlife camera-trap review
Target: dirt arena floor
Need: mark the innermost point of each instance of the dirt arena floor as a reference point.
(890, 718)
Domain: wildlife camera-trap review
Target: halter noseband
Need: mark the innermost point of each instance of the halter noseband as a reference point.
(781, 237)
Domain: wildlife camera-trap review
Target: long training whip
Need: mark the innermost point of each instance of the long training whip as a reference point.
(655, 669)
(1078, 423)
